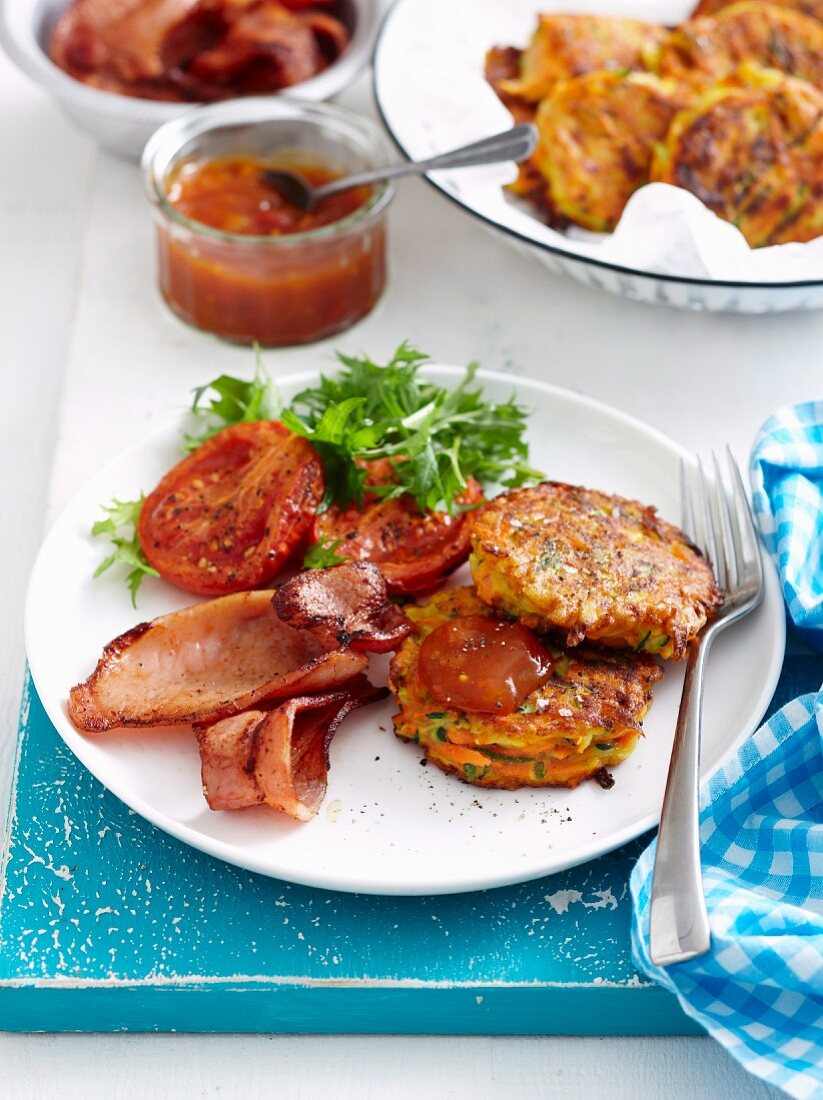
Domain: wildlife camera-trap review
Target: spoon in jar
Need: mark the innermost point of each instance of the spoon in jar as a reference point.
(515, 144)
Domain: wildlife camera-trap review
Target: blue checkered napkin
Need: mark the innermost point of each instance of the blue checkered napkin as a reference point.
(787, 483)
(759, 991)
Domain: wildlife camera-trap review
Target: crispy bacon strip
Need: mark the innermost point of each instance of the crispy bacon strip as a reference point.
(278, 757)
(226, 761)
(117, 39)
(266, 47)
(195, 49)
(204, 663)
(329, 33)
(346, 605)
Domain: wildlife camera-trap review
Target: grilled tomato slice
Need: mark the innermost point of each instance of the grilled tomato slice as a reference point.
(231, 515)
(413, 550)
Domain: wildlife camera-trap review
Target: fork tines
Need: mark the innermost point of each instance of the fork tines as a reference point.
(717, 518)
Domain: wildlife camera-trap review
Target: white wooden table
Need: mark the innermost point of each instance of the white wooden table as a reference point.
(90, 361)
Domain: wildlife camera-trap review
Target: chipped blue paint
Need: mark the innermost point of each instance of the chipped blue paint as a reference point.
(108, 924)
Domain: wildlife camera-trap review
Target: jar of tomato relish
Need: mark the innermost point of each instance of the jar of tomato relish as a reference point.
(234, 258)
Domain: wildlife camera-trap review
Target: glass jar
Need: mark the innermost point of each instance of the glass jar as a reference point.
(272, 290)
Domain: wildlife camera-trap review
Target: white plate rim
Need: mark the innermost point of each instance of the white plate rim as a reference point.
(342, 881)
(542, 246)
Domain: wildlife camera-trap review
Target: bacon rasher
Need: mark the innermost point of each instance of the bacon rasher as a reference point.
(278, 757)
(345, 605)
(197, 50)
(204, 663)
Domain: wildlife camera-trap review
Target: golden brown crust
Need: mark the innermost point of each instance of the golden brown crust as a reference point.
(562, 557)
(502, 67)
(706, 49)
(597, 133)
(739, 149)
(564, 46)
(719, 151)
(797, 105)
(806, 223)
(587, 717)
(812, 8)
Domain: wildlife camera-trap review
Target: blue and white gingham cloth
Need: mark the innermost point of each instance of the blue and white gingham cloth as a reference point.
(759, 990)
(787, 495)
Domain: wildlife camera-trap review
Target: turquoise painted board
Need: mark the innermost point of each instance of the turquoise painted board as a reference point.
(107, 924)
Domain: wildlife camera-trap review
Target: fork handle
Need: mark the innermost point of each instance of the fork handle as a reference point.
(679, 923)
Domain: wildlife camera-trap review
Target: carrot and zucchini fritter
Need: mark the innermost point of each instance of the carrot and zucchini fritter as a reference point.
(583, 719)
(597, 134)
(812, 8)
(726, 105)
(709, 48)
(569, 45)
(742, 150)
(563, 558)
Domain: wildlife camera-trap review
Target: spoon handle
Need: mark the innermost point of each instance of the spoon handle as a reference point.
(514, 144)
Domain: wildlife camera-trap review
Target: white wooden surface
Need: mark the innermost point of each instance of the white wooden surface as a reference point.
(89, 361)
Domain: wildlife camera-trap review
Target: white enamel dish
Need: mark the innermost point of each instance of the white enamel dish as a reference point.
(432, 96)
(389, 825)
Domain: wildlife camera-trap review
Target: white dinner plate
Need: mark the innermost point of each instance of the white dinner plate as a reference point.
(388, 824)
(669, 250)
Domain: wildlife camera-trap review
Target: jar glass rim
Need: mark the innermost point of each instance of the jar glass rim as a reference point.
(162, 147)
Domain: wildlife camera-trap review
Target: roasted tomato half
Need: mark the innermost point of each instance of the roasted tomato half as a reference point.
(413, 550)
(233, 513)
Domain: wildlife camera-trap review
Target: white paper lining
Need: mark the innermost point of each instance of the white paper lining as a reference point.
(434, 96)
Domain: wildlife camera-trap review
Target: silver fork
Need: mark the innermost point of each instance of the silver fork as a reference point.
(717, 517)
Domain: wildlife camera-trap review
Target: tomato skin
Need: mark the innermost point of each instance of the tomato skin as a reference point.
(234, 512)
(414, 551)
(483, 665)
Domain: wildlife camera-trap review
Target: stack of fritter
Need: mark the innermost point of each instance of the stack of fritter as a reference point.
(599, 583)
(729, 106)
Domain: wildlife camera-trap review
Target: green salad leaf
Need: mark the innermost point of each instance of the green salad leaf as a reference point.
(322, 555)
(120, 526)
(433, 438)
(227, 400)
(385, 423)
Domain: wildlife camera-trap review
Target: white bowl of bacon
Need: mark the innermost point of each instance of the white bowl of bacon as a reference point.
(121, 68)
